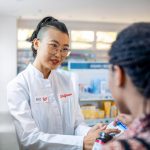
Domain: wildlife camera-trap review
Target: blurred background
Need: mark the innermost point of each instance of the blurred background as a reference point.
(93, 26)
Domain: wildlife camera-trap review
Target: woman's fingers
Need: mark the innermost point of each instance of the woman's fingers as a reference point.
(112, 131)
(98, 126)
(124, 118)
(115, 121)
(101, 126)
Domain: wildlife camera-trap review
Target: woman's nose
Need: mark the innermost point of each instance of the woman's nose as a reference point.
(58, 53)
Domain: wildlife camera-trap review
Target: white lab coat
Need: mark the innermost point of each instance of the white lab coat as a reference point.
(46, 112)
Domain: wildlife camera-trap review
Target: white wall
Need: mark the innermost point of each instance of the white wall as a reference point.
(77, 25)
(8, 53)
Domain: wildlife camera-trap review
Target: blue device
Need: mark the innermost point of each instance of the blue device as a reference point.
(121, 125)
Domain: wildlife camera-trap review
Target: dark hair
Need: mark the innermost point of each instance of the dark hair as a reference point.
(131, 51)
(45, 23)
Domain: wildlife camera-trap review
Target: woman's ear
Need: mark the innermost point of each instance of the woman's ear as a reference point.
(119, 76)
(36, 43)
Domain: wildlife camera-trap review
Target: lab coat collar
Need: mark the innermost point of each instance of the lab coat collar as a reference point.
(36, 72)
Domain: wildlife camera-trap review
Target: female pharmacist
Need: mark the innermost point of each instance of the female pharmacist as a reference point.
(43, 101)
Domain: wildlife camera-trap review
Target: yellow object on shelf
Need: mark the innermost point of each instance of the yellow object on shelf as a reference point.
(101, 114)
(107, 108)
(97, 113)
(89, 111)
(114, 110)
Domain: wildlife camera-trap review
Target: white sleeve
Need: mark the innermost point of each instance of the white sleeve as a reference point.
(29, 135)
(81, 127)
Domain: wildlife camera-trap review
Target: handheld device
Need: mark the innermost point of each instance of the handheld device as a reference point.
(119, 125)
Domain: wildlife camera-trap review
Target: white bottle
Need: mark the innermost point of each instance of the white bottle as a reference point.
(97, 145)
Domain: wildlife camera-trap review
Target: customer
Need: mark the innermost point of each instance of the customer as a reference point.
(130, 85)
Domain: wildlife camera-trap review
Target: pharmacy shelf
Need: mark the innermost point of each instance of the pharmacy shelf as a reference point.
(95, 97)
(92, 122)
(89, 99)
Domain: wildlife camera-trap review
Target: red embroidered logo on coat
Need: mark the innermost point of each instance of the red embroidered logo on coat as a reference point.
(65, 95)
(45, 99)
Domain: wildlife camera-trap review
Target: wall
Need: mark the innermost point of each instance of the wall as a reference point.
(77, 25)
(8, 49)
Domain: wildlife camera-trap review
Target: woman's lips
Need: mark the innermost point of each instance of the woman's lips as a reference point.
(55, 62)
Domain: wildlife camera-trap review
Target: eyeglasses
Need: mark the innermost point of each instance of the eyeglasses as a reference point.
(55, 48)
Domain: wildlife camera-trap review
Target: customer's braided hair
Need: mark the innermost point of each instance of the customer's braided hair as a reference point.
(44, 24)
(131, 51)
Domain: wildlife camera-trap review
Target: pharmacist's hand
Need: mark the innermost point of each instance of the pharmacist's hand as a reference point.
(90, 138)
(124, 118)
(114, 131)
(108, 131)
(100, 126)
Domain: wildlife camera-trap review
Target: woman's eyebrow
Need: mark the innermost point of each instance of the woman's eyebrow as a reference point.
(55, 42)
(67, 45)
